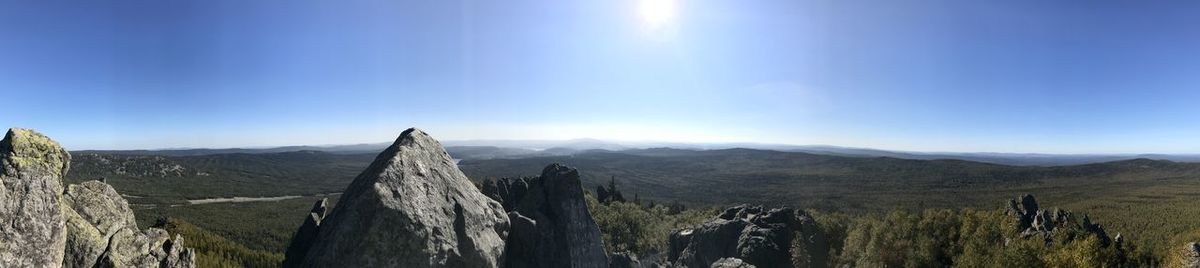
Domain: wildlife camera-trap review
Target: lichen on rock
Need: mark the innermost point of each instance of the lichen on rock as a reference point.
(31, 169)
(88, 225)
(31, 151)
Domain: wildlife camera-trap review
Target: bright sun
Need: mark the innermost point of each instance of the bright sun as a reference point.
(656, 13)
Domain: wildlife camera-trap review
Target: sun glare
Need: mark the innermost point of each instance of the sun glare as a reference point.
(656, 13)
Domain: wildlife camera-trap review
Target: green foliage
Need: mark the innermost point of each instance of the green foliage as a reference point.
(174, 179)
(1141, 199)
(966, 238)
(213, 250)
(265, 226)
(627, 226)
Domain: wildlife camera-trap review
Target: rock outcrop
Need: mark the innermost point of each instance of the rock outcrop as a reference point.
(87, 225)
(95, 213)
(150, 248)
(731, 263)
(33, 233)
(552, 226)
(750, 234)
(506, 191)
(1033, 221)
(102, 232)
(412, 207)
(303, 239)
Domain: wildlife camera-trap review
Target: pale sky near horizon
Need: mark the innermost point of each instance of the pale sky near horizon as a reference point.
(920, 75)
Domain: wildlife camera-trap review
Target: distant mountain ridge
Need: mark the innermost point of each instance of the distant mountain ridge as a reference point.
(501, 149)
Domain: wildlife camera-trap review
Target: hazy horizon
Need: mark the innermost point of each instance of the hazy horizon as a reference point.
(928, 76)
(640, 144)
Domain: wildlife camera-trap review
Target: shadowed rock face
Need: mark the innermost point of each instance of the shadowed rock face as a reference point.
(303, 239)
(31, 170)
(88, 225)
(411, 207)
(744, 236)
(624, 260)
(552, 226)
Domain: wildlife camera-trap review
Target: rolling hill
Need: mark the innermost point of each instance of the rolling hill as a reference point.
(1141, 196)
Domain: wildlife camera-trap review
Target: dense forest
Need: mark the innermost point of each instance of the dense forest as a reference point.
(926, 238)
(851, 196)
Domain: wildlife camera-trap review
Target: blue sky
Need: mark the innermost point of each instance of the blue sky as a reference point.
(1003, 76)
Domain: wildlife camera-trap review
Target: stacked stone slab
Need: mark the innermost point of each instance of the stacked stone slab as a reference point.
(552, 226)
(87, 225)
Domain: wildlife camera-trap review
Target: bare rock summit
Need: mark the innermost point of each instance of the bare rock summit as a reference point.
(412, 207)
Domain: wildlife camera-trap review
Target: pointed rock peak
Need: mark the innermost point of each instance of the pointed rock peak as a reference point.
(26, 149)
(411, 141)
(414, 135)
(559, 171)
(413, 192)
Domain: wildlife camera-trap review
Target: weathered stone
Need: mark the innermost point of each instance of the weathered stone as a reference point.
(767, 246)
(178, 256)
(31, 170)
(99, 204)
(84, 243)
(1023, 210)
(508, 192)
(710, 241)
(763, 239)
(87, 225)
(564, 233)
(303, 239)
(101, 231)
(519, 248)
(130, 248)
(731, 263)
(412, 207)
(624, 260)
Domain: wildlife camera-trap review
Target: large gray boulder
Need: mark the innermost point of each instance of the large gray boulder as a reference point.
(87, 225)
(95, 212)
(146, 249)
(758, 237)
(702, 245)
(31, 170)
(102, 232)
(731, 263)
(412, 207)
(552, 226)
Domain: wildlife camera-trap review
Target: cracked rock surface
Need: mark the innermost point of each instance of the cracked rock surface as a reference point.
(87, 225)
(412, 207)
